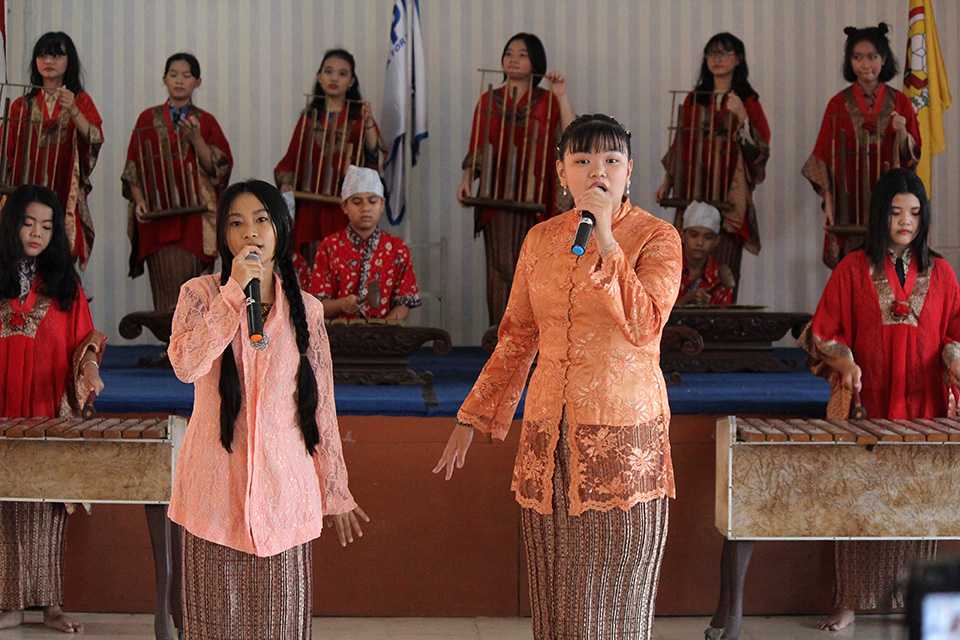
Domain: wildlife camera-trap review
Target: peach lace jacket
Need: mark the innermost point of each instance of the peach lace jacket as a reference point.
(596, 322)
(268, 495)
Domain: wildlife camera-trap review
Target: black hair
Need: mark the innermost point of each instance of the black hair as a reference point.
(877, 242)
(536, 52)
(353, 93)
(57, 43)
(877, 36)
(594, 132)
(230, 390)
(740, 84)
(58, 279)
(182, 56)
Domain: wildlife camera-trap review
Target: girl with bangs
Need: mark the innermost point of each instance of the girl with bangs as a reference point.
(887, 331)
(261, 466)
(867, 129)
(49, 367)
(67, 142)
(541, 114)
(330, 115)
(725, 109)
(593, 470)
(175, 248)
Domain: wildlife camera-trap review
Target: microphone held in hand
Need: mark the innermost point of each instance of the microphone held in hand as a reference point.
(254, 311)
(584, 229)
(587, 222)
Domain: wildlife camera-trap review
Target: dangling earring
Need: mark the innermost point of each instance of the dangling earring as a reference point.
(563, 185)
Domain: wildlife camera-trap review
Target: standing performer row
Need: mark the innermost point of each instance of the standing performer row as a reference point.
(178, 159)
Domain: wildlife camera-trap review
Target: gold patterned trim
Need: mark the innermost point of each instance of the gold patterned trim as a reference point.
(951, 352)
(15, 323)
(886, 297)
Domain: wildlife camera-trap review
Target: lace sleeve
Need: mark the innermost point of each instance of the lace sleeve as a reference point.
(328, 459)
(493, 401)
(204, 324)
(640, 298)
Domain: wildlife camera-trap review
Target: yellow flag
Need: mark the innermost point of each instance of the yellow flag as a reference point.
(925, 83)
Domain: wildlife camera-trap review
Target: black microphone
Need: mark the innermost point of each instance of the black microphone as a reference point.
(254, 312)
(584, 229)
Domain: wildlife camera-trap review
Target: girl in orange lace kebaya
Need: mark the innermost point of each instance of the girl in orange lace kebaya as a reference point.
(262, 463)
(593, 470)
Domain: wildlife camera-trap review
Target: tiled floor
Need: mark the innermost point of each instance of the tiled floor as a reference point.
(140, 627)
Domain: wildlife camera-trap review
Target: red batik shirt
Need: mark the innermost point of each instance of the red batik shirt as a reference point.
(346, 264)
(709, 279)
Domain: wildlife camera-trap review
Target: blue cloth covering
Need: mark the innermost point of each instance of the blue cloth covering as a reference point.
(133, 389)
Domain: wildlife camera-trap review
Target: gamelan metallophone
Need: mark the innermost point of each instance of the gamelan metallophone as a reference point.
(105, 460)
(838, 479)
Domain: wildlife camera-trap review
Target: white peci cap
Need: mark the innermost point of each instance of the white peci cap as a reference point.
(361, 180)
(701, 214)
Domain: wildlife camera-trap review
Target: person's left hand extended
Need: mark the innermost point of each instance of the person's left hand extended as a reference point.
(348, 525)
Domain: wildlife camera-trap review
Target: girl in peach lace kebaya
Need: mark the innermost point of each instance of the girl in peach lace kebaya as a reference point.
(261, 464)
(593, 470)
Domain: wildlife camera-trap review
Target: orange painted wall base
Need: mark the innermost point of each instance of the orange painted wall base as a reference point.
(439, 548)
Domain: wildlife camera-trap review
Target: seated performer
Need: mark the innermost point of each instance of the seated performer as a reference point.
(49, 367)
(886, 328)
(705, 281)
(362, 271)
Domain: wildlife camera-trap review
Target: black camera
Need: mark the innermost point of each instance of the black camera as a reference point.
(933, 601)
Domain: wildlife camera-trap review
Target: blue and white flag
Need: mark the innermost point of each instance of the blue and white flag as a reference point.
(418, 81)
(403, 90)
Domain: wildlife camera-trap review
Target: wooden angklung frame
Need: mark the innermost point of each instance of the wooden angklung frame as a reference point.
(330, 143)
(701, 149)
(510, 170)
(27, 156)
(169, 175)
(851, 189)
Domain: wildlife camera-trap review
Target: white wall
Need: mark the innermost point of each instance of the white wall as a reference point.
(621, 57)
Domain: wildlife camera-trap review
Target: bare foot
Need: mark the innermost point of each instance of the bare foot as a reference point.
(11, 619)
(839, 619)
(54, 618)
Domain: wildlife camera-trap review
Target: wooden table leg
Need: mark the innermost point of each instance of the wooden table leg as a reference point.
(734, 562)
(166, 564)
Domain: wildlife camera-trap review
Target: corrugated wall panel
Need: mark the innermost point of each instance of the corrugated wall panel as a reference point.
(621, 57)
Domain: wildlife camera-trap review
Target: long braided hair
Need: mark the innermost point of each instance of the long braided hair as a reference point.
(230, 390)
